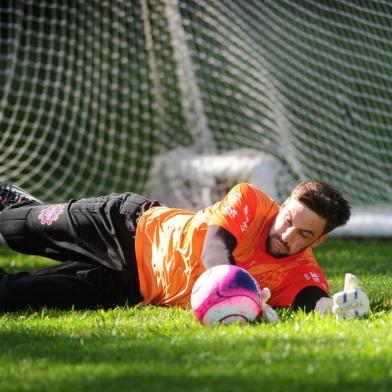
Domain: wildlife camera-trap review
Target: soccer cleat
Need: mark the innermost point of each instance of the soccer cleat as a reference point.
(11, 194)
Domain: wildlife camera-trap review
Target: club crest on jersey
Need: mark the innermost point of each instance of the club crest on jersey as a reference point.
(50, 214)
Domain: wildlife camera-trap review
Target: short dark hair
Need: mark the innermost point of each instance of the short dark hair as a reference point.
(325, 200)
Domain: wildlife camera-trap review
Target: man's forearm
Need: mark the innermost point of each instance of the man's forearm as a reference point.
(218, 247)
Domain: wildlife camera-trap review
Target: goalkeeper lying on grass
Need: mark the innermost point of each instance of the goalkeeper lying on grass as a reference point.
(125, 249)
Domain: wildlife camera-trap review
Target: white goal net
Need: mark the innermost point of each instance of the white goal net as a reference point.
(180, 99)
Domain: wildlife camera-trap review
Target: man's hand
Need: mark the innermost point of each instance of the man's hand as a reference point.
(268, 313)
(349, 303)
(352, 301)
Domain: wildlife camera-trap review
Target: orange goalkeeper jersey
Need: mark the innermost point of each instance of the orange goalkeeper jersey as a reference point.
(169, 243)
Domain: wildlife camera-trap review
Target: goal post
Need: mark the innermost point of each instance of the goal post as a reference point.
(183, 98)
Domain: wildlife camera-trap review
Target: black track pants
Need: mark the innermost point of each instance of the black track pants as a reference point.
(94, 239)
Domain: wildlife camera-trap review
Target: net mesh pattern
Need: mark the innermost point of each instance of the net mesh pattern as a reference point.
(91, 91)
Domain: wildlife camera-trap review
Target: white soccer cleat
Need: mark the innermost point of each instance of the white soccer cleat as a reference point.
(352, 301)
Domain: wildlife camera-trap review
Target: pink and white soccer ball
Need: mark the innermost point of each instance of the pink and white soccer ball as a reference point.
(226, 294)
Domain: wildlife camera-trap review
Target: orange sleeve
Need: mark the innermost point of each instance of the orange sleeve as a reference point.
(235, 212)
(295, 280)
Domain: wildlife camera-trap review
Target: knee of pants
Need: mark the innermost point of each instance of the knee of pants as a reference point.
(13, 224)
(15, 231)
(13, 221)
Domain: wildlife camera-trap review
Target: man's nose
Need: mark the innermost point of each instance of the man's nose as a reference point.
(287, 234)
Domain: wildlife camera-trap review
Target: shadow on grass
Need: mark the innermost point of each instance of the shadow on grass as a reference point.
(137, 362)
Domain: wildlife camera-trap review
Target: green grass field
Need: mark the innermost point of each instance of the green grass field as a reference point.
(158, 349)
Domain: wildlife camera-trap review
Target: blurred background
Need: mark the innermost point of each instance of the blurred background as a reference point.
(181, 99)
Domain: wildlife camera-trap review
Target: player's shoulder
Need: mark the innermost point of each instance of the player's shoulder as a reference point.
(248, 188)
(253, 194)
(247, 197)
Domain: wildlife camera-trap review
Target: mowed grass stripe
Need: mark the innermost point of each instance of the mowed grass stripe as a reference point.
(157, 349)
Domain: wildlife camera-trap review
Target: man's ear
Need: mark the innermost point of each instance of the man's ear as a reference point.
(320, 240)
